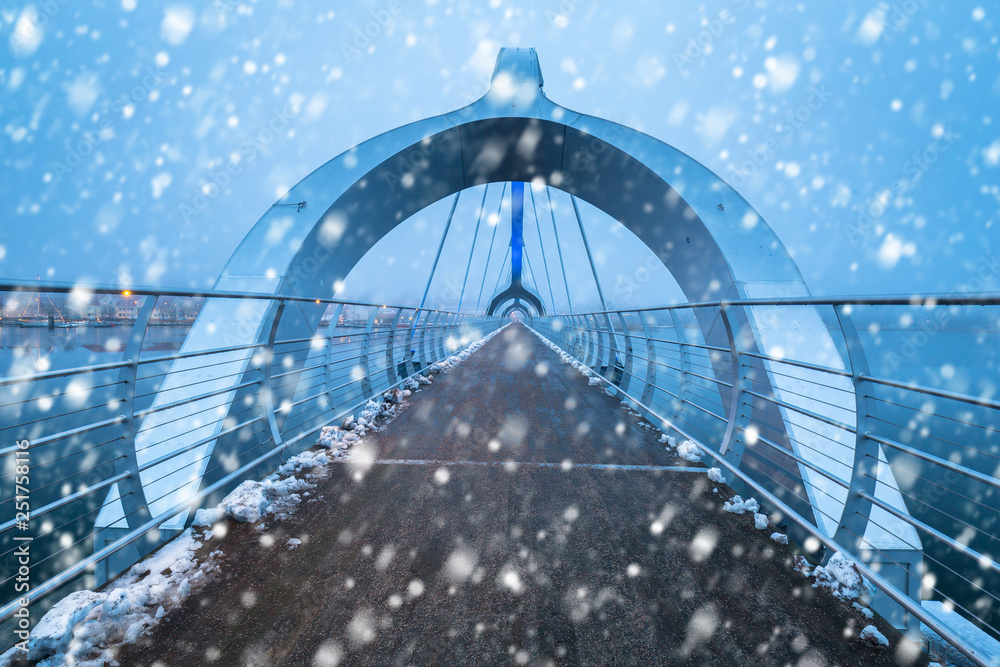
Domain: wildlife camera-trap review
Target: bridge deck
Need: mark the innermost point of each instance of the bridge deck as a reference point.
(509, 564)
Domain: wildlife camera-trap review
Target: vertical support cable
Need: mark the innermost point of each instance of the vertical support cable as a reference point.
(528, 271)
(501, 275)
(562, 265)
(586, 244)
(437, 258)
(541, 247)
(475, 235)
(489, 256)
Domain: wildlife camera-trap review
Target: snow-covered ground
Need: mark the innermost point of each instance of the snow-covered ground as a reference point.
(84, 628)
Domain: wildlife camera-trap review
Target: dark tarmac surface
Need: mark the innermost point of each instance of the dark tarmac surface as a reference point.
(464, 564)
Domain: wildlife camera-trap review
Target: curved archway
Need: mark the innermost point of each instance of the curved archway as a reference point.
(713, 242)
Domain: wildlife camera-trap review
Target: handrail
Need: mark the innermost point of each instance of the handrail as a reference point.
(90, 289)
(925, 300)
(169, 436)
(829, 421)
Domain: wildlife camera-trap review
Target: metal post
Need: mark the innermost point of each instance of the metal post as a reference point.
(338, 309)
(740, 409)
(390, 365)
(627, 370)
(682, 393)
(267, 403)
(609, 371)
(596, 332)
(366, 380)
(408, 365)
(649, 386)
(857, 509)
(130, 489)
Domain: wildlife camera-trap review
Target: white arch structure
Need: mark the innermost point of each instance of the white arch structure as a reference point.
(714, 243)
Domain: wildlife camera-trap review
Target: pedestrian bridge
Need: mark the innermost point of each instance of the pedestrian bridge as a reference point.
(831, 412)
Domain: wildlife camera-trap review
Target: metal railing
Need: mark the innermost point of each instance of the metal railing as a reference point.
(870, 426)
(123, 428)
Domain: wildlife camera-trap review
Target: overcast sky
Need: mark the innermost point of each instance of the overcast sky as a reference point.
(864, 133)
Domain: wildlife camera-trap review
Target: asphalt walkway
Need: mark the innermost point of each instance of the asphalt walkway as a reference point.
(495, 527)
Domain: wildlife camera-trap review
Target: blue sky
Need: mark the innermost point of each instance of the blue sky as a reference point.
(865, 133)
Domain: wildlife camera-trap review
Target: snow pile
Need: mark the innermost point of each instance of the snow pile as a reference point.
(247, 503)
(865, 611)
(760, 521)
(689, 451)
(304, 461)
(80, 627)
(53, 633)
(371, 418)
(252, 500)
(715, 474)
(871, 635)
(568, 359)
(454, 360)
(780, 538)
(841, 577)
(736, 505)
